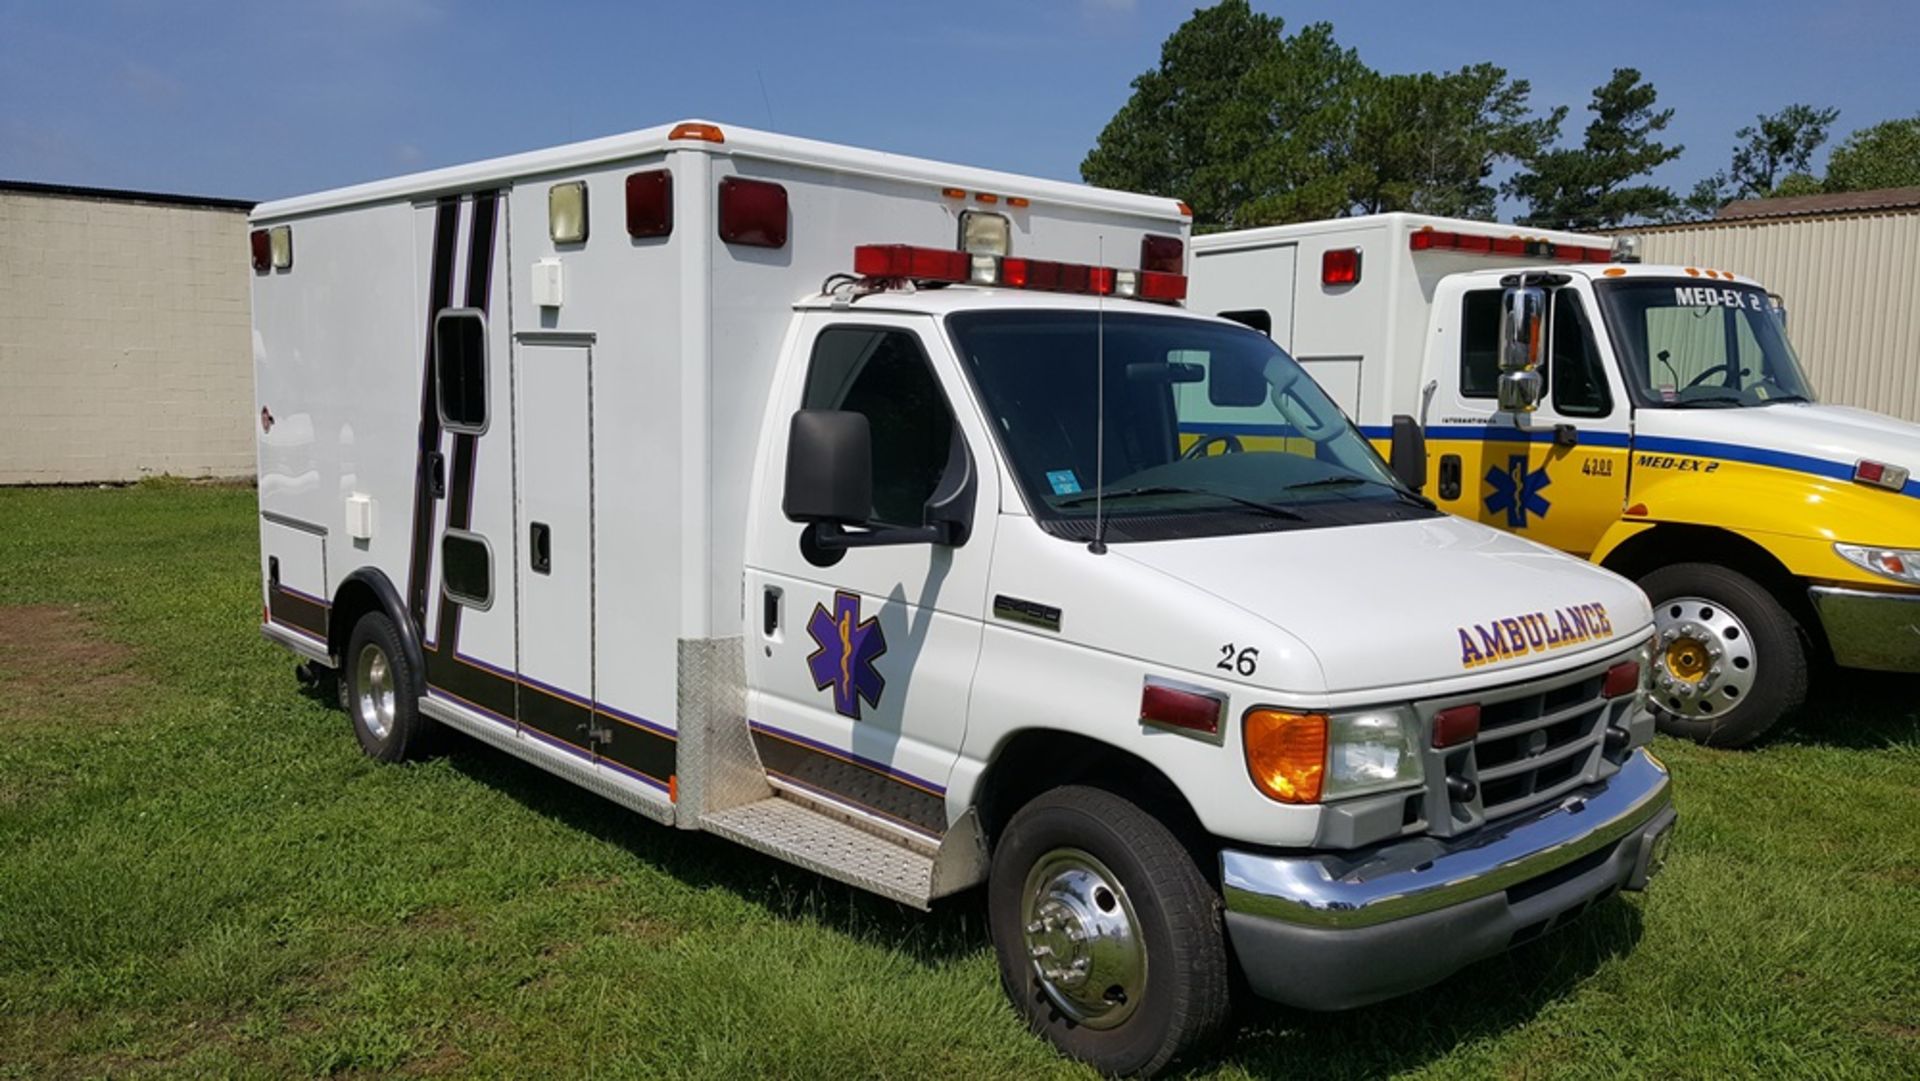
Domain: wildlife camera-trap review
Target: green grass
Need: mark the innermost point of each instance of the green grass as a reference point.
(200, 874)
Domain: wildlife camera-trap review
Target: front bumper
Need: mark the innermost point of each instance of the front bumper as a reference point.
(1333, 931)
(1867, 629)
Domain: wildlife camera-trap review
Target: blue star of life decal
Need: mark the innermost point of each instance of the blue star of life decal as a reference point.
(1516, 491)
(848, 648)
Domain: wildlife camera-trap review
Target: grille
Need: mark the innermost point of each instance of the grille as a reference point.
(1538, 741)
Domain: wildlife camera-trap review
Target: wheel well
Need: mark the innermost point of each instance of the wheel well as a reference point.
(354, 599)
(368, 590)
(1665, 545)
(1035, 760)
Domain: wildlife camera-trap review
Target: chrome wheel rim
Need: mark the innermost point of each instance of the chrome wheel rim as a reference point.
(373, 697)
(1703, 662)
(1083, 940)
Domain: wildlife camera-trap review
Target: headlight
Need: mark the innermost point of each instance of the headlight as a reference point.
(1371, 751)
(1899, 564)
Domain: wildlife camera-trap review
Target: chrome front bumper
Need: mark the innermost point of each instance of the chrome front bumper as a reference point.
(1869, 629)
(1330, 931)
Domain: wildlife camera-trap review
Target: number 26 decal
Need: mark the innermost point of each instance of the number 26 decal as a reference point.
(1235, 659)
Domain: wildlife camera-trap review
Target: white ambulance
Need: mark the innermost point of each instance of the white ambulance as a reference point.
(835, 502)
(1667, 433)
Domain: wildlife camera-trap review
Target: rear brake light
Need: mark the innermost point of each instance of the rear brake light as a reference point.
(1622, 679)
(262, 254)
(650, 203)
(753, 212)
(1880, 474)
(1179, 707)
(1456, 725)
(1340, 266)
(1162, 254)
(905, 261)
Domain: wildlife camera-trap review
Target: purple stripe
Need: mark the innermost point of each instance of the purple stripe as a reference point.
(849, 756)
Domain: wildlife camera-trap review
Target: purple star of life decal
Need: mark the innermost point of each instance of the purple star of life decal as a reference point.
(848, 648)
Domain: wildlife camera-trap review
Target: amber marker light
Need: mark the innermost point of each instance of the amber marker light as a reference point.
(1286, 753)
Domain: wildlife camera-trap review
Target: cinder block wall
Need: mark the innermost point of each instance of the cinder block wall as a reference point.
(125, 340)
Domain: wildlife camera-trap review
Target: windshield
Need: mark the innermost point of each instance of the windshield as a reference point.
(1210, 427)
(1685, 344)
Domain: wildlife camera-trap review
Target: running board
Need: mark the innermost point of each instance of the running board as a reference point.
(823, 843)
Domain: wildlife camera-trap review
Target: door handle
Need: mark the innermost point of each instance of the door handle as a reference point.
(540, 547)
(1449, 476)
(437, 474)
(770, 611)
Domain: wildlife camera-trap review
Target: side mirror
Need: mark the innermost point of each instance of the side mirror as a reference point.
(829, 468)
(1519, 392)
(1407, 453)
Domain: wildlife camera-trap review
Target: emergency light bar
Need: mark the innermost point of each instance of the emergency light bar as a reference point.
(904, 262)
(1438, 240)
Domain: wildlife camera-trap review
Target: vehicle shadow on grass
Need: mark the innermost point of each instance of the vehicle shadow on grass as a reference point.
(1482, 1000)
(1860, 711)
(956, 927)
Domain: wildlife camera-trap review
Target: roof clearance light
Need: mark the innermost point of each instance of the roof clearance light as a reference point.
(1162, 254)
(1019, 201)
(1190, 710)
(258, 245)
(280, 247)
(753, 212)
(1880, 474)
(1340, 266)
(903, 261)
(1286, 753)
(706, 133)
(985, 233)
(650, 204)
(567, 212)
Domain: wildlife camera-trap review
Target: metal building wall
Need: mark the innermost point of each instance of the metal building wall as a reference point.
(125, 340)
(1852, 289)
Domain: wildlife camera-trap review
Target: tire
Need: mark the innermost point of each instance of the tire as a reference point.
(1729, 661)
(378, 691)
(1085, 858)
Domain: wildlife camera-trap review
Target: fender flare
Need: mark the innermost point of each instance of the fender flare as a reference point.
(395, 609)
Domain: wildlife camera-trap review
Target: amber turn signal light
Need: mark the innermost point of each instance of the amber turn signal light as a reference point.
(1286, 753)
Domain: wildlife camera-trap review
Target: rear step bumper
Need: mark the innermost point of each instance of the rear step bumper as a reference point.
(1334, 931)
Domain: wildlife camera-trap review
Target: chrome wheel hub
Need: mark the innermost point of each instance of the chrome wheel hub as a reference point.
(1083, 939)
(1703, 662)
(373, 696)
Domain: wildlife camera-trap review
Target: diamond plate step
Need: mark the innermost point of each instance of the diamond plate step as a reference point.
(780, 827)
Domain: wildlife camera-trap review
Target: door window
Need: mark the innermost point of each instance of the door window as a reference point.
(460, 369)
(884, 375)
(1579, 379)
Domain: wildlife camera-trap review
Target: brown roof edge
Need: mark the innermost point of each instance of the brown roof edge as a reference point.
(1845, 202)
(118, 195)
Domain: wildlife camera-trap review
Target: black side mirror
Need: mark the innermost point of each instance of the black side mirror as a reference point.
(829, 468)
(1407, 453)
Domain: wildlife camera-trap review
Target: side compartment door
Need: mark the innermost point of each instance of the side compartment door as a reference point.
(1557, 475)
(860, 662)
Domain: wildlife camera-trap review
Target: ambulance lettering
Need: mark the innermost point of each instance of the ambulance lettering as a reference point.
(1533, 632)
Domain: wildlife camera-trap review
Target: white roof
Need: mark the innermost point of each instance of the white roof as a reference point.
(1412, 222)
(955, 298)
(739, 142)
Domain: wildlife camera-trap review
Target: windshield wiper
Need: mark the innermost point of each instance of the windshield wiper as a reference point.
(1174, 489)
(1328, 482)
(1707, 403)
(1778, 398)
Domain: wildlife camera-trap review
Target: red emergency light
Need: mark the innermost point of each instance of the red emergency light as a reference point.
(1441, 240)
(1340, 266)
(905, 262)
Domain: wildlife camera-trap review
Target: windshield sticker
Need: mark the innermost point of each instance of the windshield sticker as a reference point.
(1534, 632)
(1706, 296)
(1063, 482)
(1516, 491)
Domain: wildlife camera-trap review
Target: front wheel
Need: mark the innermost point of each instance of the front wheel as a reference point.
(1728, 660)
(1109, 938)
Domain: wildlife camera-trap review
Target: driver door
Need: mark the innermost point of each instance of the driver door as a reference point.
(1557, 475)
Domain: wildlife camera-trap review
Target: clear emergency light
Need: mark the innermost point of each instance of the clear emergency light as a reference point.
(1441, 240)
(904, 262)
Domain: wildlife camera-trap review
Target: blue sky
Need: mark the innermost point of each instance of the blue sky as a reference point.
(266, 99)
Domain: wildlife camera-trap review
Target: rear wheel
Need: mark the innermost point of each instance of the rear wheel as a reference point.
(1108, 936)
(379, 693)
(1729, 661)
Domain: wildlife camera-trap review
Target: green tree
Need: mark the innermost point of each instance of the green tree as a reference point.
(1246, 124)
(1429, 142)
(1589, 186)
(1886, 155)
(1776, 146)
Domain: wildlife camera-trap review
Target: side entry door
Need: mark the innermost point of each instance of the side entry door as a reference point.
(860, 660)
(1557, 475)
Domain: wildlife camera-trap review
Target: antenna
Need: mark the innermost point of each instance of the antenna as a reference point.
(1098, 546)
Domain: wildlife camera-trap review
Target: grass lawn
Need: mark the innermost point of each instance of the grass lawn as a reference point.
(200, 874)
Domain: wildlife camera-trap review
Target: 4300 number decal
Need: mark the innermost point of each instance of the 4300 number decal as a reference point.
(1243, 661)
